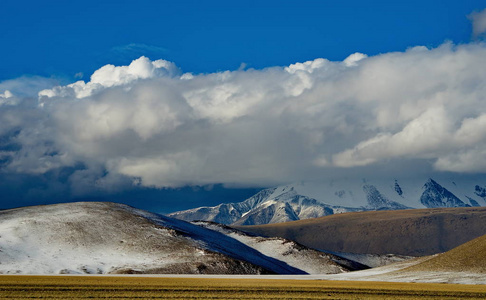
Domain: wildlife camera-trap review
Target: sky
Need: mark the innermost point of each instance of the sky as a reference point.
(167, 105)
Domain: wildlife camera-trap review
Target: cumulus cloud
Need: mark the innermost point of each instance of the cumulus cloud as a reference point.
(148, 124)
(7, 98)
(353, 59)
(7, 94)
(110, 75)
(478, 20)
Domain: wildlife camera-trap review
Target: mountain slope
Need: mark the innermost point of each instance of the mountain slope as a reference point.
(468, 257)
(414, 232)
(272, 205)
(465, 264)
(225, 213)
(310, 200)
(294, 254)
(435, 195)
(113, 238)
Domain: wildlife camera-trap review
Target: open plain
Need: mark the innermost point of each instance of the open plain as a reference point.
(141, 287)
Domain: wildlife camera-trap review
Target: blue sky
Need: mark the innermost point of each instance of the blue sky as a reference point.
(64, 38)
(180, 104)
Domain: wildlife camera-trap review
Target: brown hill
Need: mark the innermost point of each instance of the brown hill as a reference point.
(469, 257)
(414, 232)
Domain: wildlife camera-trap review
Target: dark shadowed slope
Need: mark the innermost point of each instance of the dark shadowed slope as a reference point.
(413, 232)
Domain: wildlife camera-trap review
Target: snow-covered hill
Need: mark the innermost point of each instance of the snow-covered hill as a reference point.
(90, 237)
(309, 200)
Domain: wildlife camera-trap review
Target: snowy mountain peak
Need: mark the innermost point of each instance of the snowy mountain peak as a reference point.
(435, 195)
(377, 201)
(310, 200)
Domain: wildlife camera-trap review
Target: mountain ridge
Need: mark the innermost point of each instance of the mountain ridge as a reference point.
(310, 200)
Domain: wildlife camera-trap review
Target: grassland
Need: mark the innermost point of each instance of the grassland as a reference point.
(101, 287)
(469, 257)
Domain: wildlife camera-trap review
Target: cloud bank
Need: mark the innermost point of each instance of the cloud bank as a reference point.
(149, 124)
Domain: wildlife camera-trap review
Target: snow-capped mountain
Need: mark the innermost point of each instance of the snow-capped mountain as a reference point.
(90, 237)
(435, 195)
(309, 200)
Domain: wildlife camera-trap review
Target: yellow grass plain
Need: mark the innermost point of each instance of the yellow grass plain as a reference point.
(108, 287)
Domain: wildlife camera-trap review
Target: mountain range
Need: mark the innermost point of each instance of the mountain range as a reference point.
(311, 200)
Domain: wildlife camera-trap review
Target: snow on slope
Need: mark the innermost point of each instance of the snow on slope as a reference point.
(373, 260)
(311, 199)
(94, 237)
(294, 254)
(225, 213)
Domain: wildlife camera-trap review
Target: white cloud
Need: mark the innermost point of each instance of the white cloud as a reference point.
(7, 98)
(478, 20)
(7, 94)
(110, 75)
(354, 58)
(147, 123)
(422, 137)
